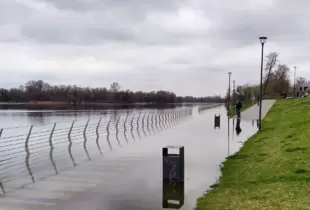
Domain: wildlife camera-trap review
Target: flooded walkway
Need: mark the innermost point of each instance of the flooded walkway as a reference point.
(131, 178)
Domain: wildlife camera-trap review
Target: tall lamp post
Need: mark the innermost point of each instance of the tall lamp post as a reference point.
(295, 81)
(229, 74)
(262, 41)
(234, 93)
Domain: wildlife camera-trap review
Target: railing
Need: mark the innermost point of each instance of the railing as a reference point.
(34, 151)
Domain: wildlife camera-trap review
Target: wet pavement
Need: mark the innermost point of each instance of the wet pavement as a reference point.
(131, 177)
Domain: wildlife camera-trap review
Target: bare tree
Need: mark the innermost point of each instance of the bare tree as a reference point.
(282, 79)
(270, 65)
(300, 82)
(115, 87)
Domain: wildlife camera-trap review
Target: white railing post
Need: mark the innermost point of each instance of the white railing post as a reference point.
(52, 148)
(28, 154)
(131, 124)
(138, 119)
(108, 133)
(97, 135)
(70, 143)
(143, 125)
(85, 139)
(125, 128)
(117, 131)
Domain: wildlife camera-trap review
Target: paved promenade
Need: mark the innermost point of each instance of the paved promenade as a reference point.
(252, 113)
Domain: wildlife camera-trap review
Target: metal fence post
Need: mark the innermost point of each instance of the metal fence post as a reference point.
(70, 143)
(116, 134)
(138, 119)
(169, 119)
(164, 120)
(1, 185)
(131, 124)
(143, 125)
(28, 154)
(156, 123)
(166, 123)
(152, 122)
(97, 135)
(159, 121)
(148, 123)
(85, 140)
(125, 128)
(52, 148)
(2, 188)
(108, 133)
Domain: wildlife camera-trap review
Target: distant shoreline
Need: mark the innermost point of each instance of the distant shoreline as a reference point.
(89, 103)
(59, 105)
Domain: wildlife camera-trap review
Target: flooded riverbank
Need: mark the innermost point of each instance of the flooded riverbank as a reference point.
(130, 176)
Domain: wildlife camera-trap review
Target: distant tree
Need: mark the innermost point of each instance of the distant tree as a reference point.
(115, 87)
(282, 83)
(300, 81)
(269, 67)
(38, 90)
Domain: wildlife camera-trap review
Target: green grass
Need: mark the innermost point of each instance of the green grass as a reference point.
(245, 105)
(272, 170)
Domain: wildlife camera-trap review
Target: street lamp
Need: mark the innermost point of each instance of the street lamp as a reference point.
(262, 40)
(234, 93)
(229, 74)
(295, 81)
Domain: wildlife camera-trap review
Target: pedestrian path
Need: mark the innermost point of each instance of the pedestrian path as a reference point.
(252, 113)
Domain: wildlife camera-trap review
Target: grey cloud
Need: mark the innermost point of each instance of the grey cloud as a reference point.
(283, 22)
(134, 38)
(101, 22)
(133, 6)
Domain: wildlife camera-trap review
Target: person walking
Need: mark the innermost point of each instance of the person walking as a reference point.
(258, 101)
(238, 109)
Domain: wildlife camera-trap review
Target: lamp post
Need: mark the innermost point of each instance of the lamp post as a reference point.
(262, 41)
(234, 93)
(295, 81)
(229, 74)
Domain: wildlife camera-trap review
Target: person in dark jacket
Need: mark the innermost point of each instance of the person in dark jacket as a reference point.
(258, 101)
(238, 109)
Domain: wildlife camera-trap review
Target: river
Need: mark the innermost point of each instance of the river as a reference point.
(131, 169)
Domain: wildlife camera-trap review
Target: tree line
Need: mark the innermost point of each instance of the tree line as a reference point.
(38, 90)
(276, 80)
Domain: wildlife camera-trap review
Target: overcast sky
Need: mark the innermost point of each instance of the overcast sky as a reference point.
(184, 46)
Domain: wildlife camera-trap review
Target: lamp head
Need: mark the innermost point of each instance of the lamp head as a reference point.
(262, 39)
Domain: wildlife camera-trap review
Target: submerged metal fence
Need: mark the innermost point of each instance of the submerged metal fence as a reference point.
(32, 152)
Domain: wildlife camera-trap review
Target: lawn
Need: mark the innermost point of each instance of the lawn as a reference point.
(245, 105)
(272, 170)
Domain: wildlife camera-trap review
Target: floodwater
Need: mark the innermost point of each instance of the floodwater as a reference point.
(132, 173)
(22, 117)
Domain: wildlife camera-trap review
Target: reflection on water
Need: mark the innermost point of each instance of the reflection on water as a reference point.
(217, 121)
(257, 123)
(44, 151)
(238, 128)
(173, 177)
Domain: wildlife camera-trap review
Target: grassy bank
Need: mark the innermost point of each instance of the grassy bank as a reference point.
(245, 105)
(272, 170)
